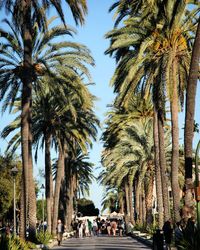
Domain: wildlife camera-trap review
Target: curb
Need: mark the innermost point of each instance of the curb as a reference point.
(147, 242)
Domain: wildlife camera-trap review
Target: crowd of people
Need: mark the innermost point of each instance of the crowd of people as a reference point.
(113, 227)
(87, 228)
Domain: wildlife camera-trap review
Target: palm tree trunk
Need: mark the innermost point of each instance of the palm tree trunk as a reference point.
(22, 225)
(130, 189)
(121, 202)
(143, 207)
(140, 208)
(163, 166)
(32, 208)
(48, 180)
(69, 200)
(159, 194)
(149, 200)
(175, 147)
(137, 200)
(189, 118)
(127, 199)
(26, 98)
(59, 178)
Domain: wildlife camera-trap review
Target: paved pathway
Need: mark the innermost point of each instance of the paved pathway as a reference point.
(102, 243)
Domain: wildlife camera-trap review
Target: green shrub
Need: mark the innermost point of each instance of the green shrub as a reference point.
(31, 245)
(43, 237)
(13, 243)
(151, 229)
(140, 227)
(191, 241)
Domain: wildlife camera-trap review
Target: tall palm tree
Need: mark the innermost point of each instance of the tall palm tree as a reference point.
(119, 152)
(22, 16)
(159, 193)
(44, 59)
(78, 177)
(189, 117)
(135, 70)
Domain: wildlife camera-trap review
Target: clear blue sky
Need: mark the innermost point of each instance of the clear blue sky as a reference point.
(98, 22)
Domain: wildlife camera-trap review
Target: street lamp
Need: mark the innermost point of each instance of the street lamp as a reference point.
(42, 188)
(14, 172)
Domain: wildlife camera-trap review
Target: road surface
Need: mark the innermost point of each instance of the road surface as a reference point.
(102, 243)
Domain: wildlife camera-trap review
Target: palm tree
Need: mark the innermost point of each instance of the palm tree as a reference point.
(135, 70)
(159, 194)
(120, 156)
(132, 8)
(44, 58)
(189, 117)
(113, 200)
(22, 17)
(78, 177)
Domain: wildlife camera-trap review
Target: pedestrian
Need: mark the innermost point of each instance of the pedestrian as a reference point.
(90, 227)
(75, 227)
(168, 231)
(108, 226)
(178, 234)
(113, 227)
(94, 227)
(87, 232)
(80, 229)
(121, 227)
(60, 231)
(189, 231)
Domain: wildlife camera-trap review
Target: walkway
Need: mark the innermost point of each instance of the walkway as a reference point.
(102, 243)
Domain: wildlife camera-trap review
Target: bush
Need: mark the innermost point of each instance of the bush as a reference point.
(191, 241)
(13, 243)
(31, 245)
(140, 227)
(43, 237)
(151, 229)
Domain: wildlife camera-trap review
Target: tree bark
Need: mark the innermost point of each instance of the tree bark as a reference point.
(48, 181)
(159, 194)
(69, 199)
(174, 103)
(144, 214)
(127, 199)
(32, 207)
(189, 119)
(163, 166)
(130, 189)
(149, 199)
(137, 200)
(121, 201)
(59, 178)
(26, 99)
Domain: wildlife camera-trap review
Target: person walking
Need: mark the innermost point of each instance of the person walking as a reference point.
(89, 227)
(87, 232)
(80, 229)
(94, 227)
(121, 227)
(113, 227)
(60, 231)
(178, 235)
(108, 226)
(168, 231)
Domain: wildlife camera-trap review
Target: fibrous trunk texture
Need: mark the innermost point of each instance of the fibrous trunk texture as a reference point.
(159, 193)
(189, 122)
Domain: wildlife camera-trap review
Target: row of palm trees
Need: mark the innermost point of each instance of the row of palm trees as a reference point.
(152, 43)
(42, 77)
